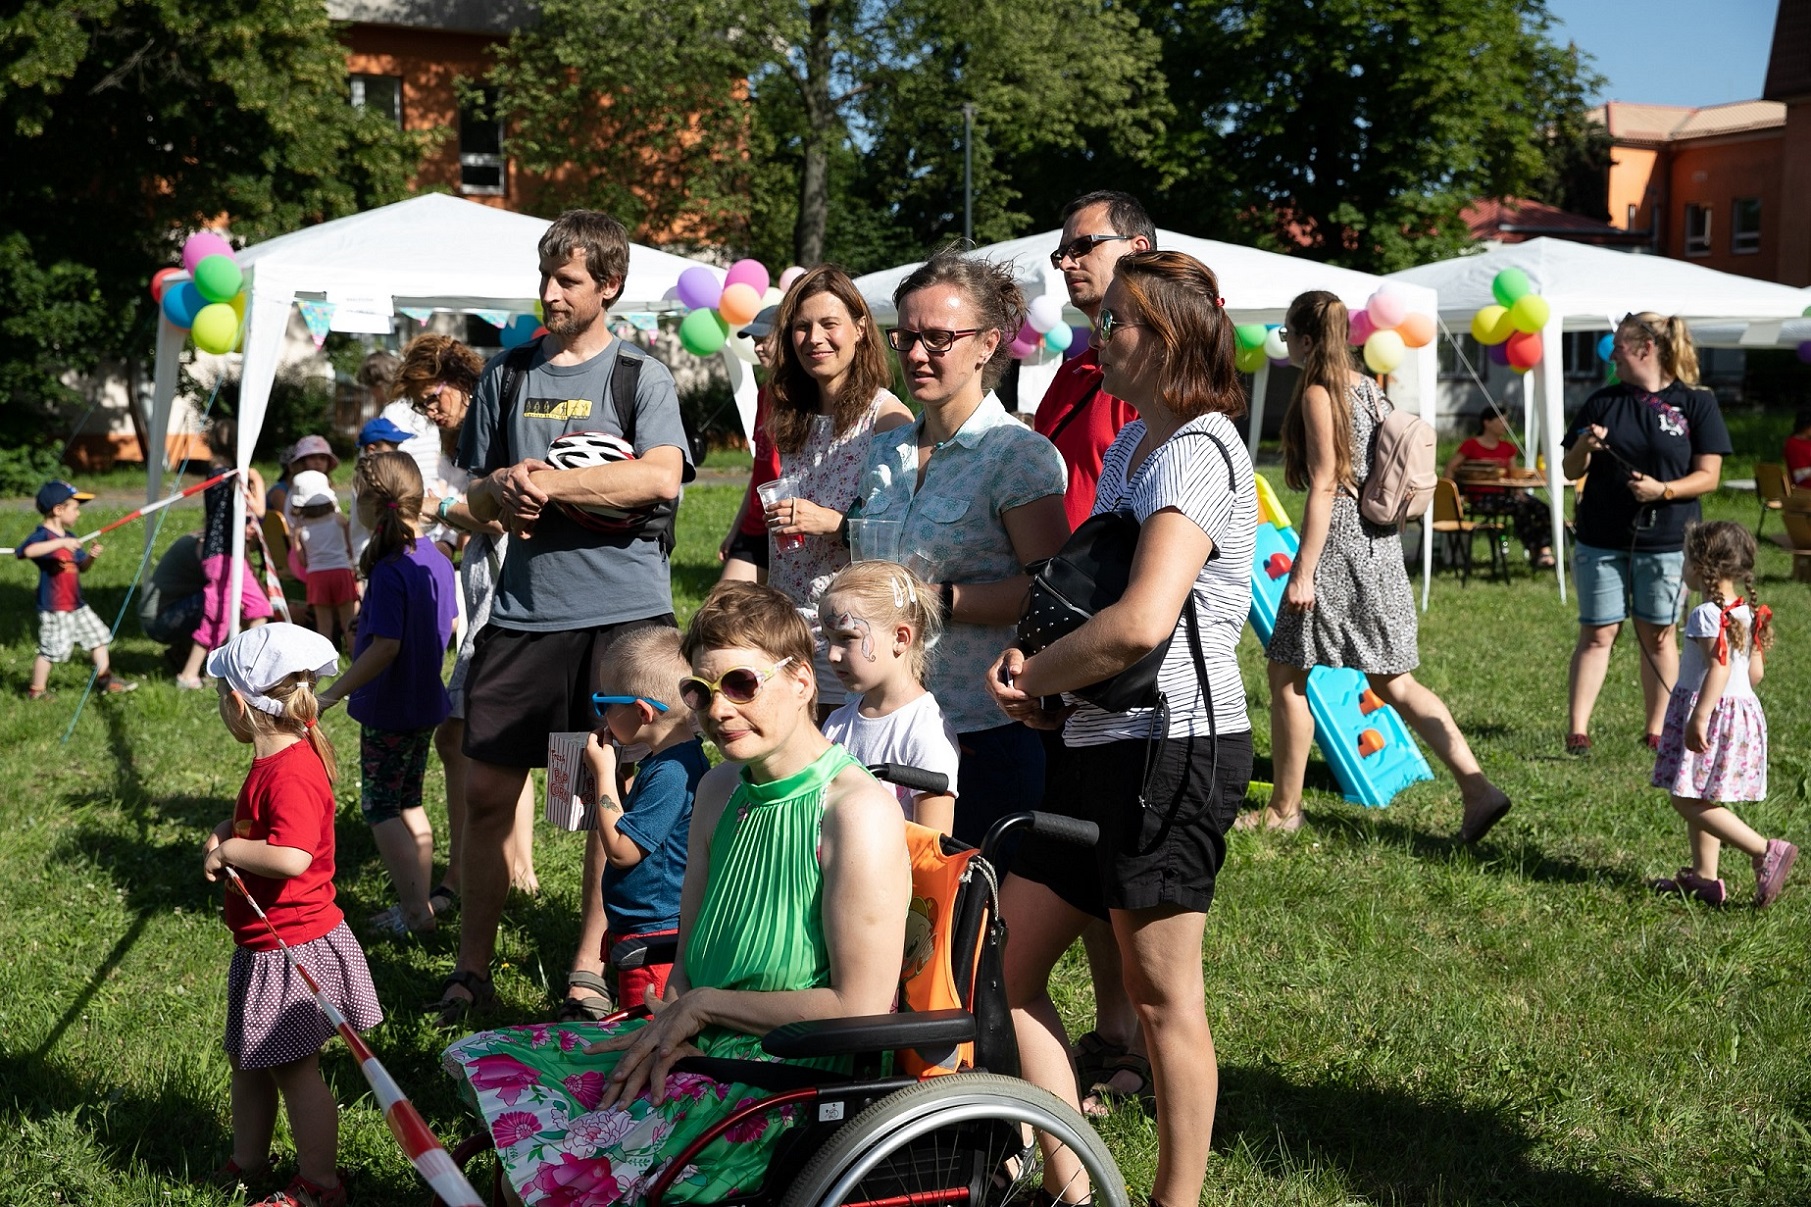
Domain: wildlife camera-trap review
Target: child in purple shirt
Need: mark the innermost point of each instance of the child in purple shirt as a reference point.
(393, 686)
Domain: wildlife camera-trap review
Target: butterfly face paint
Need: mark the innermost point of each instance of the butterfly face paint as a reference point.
(850, 623)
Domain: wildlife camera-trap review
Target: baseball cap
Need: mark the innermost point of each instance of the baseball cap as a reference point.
(761, 326)
(310, 487)
(53, 495)
(382, 429)
(259, 659)
(315, 446)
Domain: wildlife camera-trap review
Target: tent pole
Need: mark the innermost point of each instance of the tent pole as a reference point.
(1552, 379)
(1260, 385)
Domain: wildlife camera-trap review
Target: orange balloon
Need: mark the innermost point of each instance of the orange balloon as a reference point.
(1416, 330)
(739, 304)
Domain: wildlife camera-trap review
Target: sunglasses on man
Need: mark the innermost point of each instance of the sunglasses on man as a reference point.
(1080, 246)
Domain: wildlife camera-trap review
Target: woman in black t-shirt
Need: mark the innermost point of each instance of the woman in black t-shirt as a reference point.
(1653, 444)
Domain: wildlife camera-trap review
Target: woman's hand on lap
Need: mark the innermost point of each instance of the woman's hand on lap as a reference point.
(651, 1051)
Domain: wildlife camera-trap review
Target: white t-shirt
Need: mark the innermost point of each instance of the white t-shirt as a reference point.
(323, 542)
(1706, 620)
(914, 734)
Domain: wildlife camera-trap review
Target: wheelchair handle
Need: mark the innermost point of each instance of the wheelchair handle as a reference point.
(915, 778)
(1045, 825)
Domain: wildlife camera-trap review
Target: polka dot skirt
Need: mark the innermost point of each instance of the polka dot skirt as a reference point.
(272, 1018)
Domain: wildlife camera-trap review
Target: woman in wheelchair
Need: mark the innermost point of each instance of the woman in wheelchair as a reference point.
(794, 908)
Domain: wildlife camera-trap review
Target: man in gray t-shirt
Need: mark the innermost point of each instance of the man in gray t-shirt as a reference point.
(565, 591)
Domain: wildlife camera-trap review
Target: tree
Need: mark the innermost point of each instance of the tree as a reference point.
(124, 125)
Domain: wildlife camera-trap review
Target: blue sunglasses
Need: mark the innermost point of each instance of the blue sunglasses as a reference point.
(599, 702)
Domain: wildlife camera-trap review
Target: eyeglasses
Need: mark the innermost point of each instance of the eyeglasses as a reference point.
(1108, 322)
(739, 685)
(935, 340)
(1080, 246)
(599, 702)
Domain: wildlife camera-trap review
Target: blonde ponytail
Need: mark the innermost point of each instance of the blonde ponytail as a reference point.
(301, 717)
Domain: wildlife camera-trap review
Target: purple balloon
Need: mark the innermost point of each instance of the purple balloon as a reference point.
(1084, 339)
(699, 288)
(1804, 351)
(1499, 354)
(1277, 362)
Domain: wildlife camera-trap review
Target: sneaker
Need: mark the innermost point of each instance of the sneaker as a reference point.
(1578, 744)
(1771, 868)
(110, 685)
(302, 1193)
(1651, 741)
(1687, 881)
(38, 693)
(190, 685)
(231, 1176)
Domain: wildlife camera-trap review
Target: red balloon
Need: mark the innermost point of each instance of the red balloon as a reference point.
(1524, 349)
(1362, 329)
(158, 279)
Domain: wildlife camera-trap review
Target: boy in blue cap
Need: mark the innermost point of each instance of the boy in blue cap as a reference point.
(63, 619)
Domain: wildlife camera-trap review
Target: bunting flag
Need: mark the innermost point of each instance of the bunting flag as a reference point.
(420, 314)
(496, 318)
(319, 317)
(643, 320)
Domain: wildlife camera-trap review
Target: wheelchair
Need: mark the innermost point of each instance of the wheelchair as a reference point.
(951, 1123)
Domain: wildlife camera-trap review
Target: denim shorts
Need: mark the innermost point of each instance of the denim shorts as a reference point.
(1602, 577)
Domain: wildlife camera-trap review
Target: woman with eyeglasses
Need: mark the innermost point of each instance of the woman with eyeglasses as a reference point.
(1162, 783)
(1653, 444)
(978, 497)
(794, 905)
(1348, 602)
(827, 398)
(436, 378)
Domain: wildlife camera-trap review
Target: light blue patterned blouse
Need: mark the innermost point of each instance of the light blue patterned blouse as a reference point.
(953, 532)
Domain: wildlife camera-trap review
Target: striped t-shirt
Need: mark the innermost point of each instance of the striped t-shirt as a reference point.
(1188, 473)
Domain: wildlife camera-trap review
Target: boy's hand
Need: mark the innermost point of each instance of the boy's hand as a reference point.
(94, 550)
(600, 756)
(211, 858)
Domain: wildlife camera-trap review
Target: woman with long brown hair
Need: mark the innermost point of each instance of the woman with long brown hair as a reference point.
(826, 400)
(1348, 601)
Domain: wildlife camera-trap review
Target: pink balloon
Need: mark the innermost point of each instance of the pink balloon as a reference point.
(747, 272)
(1386, 310)
(1021, 349)
(788, 277)
(1362, 329)
(202, 244)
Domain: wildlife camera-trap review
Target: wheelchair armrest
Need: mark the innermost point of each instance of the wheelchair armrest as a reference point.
(870, 1033)
(644, 952)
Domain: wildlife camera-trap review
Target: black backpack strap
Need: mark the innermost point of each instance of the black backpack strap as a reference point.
(1070, 415)
(516, 363)
(625, 380)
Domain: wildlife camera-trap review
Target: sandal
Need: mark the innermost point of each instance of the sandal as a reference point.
(451, 1011)
(231, 1175)
(1103, 1095)
(1093, 1053)
(587, 1007)
(302, 1193)
(443, 900)
(1578, 744)
(391, 924)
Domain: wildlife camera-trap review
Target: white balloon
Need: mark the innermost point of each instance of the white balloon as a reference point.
(1274, 347)
(744, 350)
(1046, 313)
(773, 297)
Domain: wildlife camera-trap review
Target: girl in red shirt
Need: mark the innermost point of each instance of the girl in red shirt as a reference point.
(1533, 522)
(280, 840)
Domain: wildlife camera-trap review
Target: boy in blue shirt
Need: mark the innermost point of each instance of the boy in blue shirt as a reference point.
(63, 619)
(639, 844)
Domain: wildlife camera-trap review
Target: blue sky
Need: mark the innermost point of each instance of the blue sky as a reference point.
(1672, 52)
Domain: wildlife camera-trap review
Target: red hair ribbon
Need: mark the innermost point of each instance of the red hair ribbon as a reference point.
(1763, 618)
(1723, 627)
(309, 723)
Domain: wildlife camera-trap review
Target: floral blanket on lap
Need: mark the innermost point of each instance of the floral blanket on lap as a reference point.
(538, 1092)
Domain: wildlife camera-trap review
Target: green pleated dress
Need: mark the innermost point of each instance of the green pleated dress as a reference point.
(760, 927)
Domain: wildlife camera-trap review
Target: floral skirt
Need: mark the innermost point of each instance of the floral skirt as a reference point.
(1733, 768)
(537, 1092)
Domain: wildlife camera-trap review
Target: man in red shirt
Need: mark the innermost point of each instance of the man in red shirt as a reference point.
(1075, 415)
(1081, 419)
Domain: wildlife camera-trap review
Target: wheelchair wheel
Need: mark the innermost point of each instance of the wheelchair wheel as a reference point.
(962, 1139)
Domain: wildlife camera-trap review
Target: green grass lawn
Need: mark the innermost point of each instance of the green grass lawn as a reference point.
(1398, 1020)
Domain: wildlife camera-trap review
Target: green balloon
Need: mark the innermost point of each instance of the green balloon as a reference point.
(216, 326)
(703, 332)
(1807, 313)
(218, 278)
(1250, 335)
(1509, 285)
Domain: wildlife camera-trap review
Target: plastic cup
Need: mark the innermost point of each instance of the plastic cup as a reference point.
(777, 491)
(874, 540)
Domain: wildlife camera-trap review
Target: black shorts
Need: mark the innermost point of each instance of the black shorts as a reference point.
(1166, 853)
(744, 547)
(523, 686)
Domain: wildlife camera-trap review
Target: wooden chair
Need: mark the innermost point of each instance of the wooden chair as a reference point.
(1458, 533)
(1771, 484)
(1796, 513)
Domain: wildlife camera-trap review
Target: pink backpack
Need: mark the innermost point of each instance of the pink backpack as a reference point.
(1402, 478)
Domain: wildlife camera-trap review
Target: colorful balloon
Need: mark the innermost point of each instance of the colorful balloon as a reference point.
(703, 331)
(1250, 360)
(739, 304)
(158, 279)
(1608, 342)
(1386, 309)
(1249, 335)
(789, 276)
(1058, 338)
(1492, 325)
(1416, 330)
(1274, 347)
(218, 278)
(747, 272)
(1530, 313)
(699, 289)
(1499, 355)
(1081, 338)
(181, 303)
(202, 244)
(1025, 349)
(1359, 329)
(1804, 351)
(215, 329)
(1045, 314)
(1509, 285)
(1384, 351)
(1523, 349)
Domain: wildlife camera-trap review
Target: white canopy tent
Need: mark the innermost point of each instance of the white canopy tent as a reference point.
(1590, 289)
(430, 252)
(1258, 287)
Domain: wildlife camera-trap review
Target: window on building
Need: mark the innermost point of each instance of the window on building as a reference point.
(1745, 225)
(1449, 355)
(481, 163)
(382, 93)
(1697, 230)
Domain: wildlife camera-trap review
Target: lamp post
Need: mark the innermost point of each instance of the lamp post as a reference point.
(968, 172)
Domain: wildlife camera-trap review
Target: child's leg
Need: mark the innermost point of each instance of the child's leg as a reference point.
(406, 843)
(103, 664)
(346, 612)
(392, 764)
(254, 1117)
(323, 620)
(448, 742)
(520, 849)
(1716, 823)
(40, 673)
(314, 1120)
